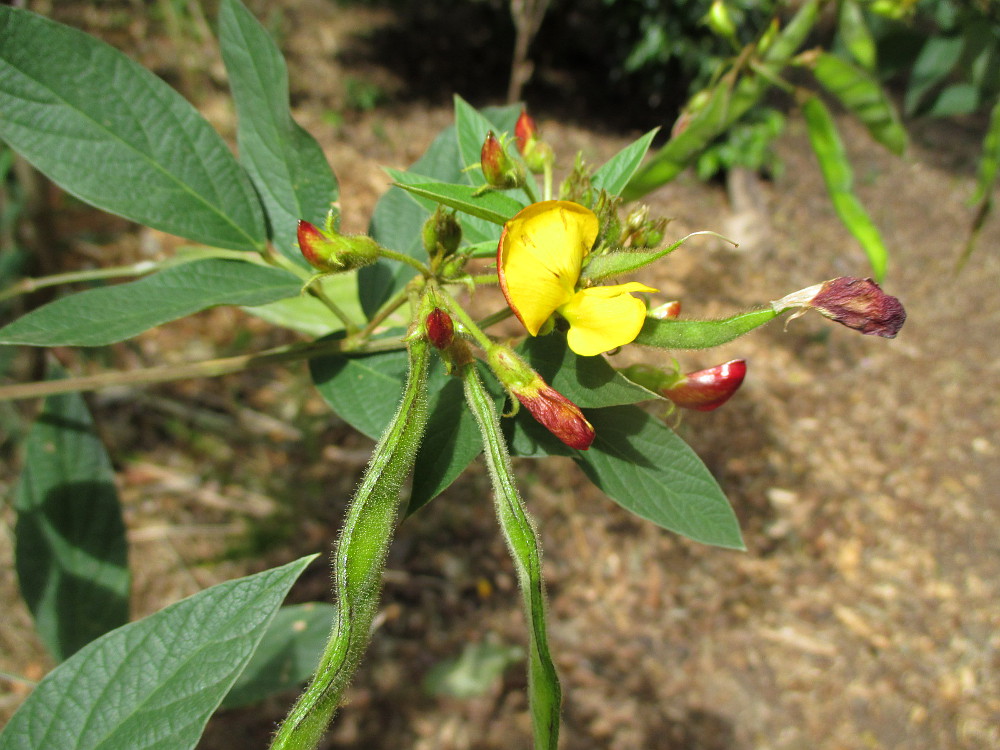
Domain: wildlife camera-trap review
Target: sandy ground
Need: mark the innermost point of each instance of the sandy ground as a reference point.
(864, 472)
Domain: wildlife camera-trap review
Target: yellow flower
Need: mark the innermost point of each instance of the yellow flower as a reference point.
(539, 260)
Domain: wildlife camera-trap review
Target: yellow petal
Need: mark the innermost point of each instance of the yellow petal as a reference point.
(602, 318)
(540, 255)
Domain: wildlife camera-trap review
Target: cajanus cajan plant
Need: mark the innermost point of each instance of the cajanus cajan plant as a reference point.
(403, 361)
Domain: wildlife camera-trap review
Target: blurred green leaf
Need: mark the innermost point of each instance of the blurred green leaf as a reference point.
(287, 655)
(860, 93)
(153, 683)
(473, 673)
(286, 164)
(839, 179)
(937, 58)
(71, 554)
(114, 313)
(111, 133)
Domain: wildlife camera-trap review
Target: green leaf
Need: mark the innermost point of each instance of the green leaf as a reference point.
(615, 173)
(115, 313)
(286, 164)
(364, 390)
(397, 219)
(937, 58)
(154, 683)
(957, 99)
(287, 654)
(396, 224)
(839, 179)
(493, 207)
(306, 314)
(471, 128)
(647, 469)
(111, 133)
(451, 439)
(860, 92)
(71, 554)
(475, 672)
(590, 382)
(701, 334)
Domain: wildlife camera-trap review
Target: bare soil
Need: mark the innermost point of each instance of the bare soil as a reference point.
(864, 471)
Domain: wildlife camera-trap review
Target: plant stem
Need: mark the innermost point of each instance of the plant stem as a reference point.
(468, 324)
(29, 285)
(206, 369)
(544, 693)
(359, 560)
(317, 291)
(404, 258)
(495, 318)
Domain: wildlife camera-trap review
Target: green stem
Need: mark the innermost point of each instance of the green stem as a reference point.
(485, 278)
(359, 560)
(403, 258)
(394, 304)
(468, 324)
(317, 291)
(494, 318)
(206, 369)
(29, 285)
(544, 694)
(529, 189)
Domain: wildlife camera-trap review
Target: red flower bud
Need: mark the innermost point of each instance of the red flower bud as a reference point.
(501, 172)
(524, 130)
(440, 328)
(856, 303)
(554, 411)
(332, 252)
(537, 153)
(709, 389)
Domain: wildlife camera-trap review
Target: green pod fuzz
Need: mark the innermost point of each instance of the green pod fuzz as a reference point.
(359, 560)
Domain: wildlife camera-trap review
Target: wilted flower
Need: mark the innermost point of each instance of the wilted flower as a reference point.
(539, 260)
(554, 411)
(856, 303)
(331, 252)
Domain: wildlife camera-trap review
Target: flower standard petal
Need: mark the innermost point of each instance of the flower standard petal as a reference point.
(602, 318)
(540, 255)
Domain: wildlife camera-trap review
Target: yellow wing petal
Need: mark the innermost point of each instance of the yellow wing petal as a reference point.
(540, 255)
(602, 318)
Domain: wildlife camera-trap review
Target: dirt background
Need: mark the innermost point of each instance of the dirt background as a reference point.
(864, 471)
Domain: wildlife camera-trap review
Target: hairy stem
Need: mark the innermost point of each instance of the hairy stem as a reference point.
(359, 560)
(544, 694)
